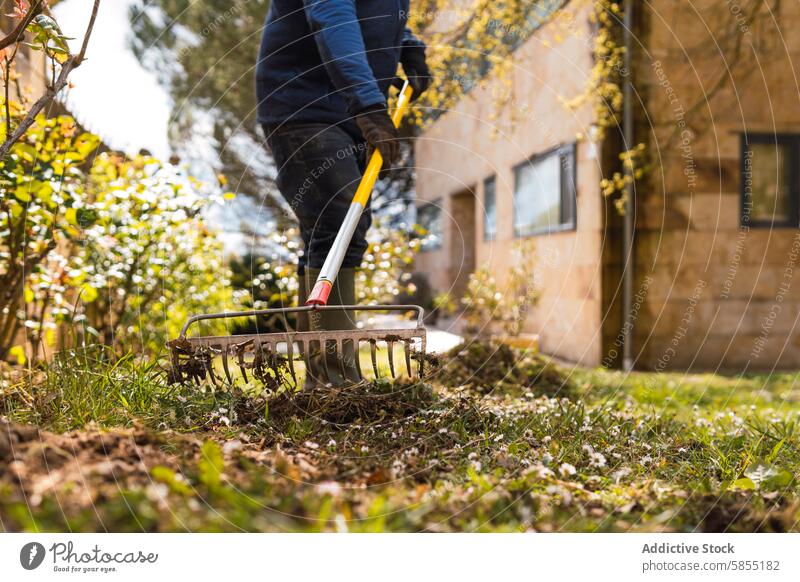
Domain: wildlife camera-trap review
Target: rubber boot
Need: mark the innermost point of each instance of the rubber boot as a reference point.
(330, 367)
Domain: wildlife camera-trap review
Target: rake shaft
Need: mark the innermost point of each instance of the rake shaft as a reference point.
(333, 262)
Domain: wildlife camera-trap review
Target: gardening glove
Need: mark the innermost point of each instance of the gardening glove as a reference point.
(379, 132)
(412, 57)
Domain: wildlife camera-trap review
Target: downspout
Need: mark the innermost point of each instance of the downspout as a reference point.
(628, 224)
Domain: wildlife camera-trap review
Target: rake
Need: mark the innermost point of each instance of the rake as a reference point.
(272, 358)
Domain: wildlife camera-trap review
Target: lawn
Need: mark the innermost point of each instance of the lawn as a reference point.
(495, 440)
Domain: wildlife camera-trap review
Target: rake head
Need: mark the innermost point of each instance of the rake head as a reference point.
(275, 359)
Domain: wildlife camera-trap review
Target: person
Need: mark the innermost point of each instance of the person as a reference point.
(322, 79)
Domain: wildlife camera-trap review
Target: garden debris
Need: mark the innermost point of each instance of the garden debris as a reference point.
(368, 402)
(90, 463)
(488, 366)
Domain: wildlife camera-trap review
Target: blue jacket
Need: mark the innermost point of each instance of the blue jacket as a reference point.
(323, 61)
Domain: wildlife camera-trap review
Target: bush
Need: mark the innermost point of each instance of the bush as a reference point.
(105, 249)
(487, 303)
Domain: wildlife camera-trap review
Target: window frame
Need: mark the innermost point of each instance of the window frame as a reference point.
(487, 237)
(561, 150)
(792, 140)
(437, 205)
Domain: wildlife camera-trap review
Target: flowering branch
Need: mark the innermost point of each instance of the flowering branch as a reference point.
(15, 35)
(71, 63)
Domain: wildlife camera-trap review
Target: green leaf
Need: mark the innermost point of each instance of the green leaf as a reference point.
(22, 193)
(88, 293)
(18, 352)
(86, 217)
(72, 216)
(775, 450)
(86, 143)
(26, 151)
(782, 480)
(743, 484)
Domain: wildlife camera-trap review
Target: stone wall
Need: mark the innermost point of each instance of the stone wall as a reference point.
(718, 296)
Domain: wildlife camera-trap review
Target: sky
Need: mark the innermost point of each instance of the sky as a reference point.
(113, 95)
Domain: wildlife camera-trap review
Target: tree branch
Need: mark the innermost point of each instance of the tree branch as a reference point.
(71, 63)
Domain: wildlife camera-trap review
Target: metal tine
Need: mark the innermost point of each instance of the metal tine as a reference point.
(421, 360)
(407, 352)
(390, 345)
(256, 357)
(266, 355)
(340, 356)
(225, 367)
(240, 361)
(305, 348)
(290, 356)
(210, 370)
(323, 343)
(276, 361)
(357, 354)
(373, 356)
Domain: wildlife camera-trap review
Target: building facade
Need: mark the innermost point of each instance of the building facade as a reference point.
(715, 218)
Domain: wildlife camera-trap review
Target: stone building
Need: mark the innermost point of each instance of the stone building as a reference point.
(713, 282)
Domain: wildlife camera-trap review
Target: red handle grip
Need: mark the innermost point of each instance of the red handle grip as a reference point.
(319, 294)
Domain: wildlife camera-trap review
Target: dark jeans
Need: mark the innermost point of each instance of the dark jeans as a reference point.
(319, 167)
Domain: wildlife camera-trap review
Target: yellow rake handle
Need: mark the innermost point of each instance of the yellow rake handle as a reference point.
(333, 262)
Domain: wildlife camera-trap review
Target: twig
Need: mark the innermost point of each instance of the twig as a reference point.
(15, 35)
(51, 93)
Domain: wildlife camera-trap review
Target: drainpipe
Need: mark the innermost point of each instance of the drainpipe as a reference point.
(628, 225)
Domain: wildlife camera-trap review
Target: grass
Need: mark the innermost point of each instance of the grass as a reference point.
(496, 440)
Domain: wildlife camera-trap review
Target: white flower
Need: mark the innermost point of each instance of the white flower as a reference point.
(597, 460)
(565, 470)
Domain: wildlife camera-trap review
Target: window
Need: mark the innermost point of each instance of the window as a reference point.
(770, 180)
(429, 217)
(544, 193)
(489, 209)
